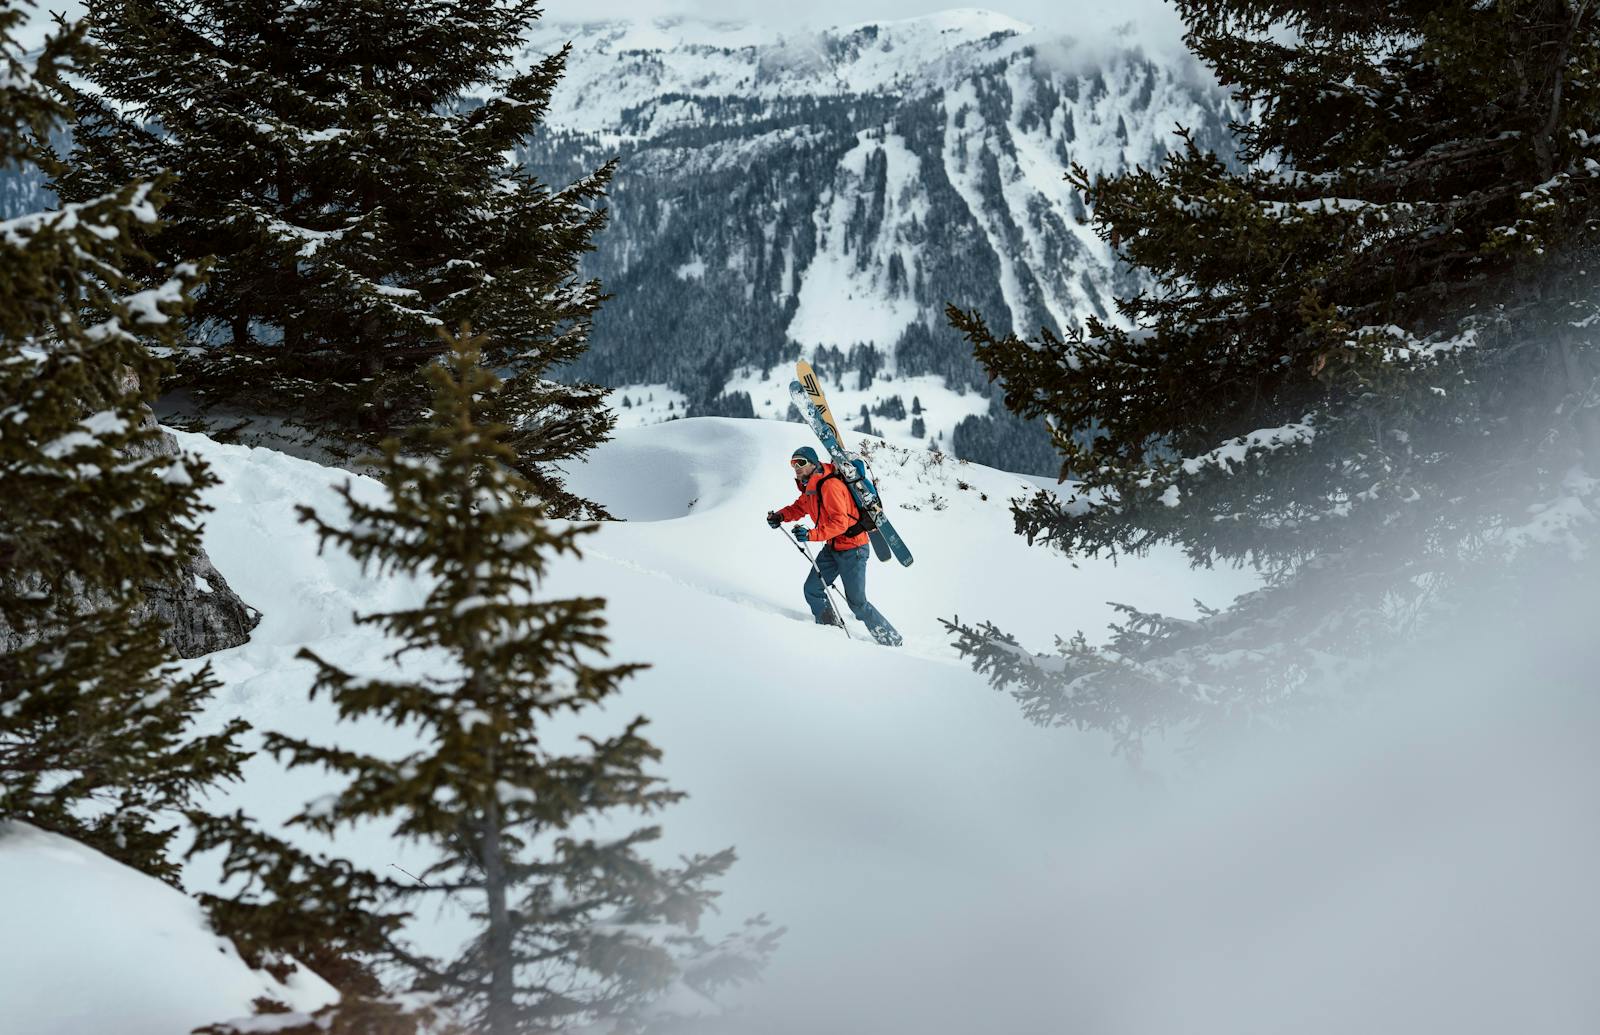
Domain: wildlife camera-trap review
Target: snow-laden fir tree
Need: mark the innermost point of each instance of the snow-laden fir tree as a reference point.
(1367, 363)
(355, 199)
(95, 728)
(573, 928)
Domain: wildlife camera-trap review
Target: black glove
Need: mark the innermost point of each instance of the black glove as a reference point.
(801, 533)
(773, 520)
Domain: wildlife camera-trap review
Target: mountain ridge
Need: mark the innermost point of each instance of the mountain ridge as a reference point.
(825, 194)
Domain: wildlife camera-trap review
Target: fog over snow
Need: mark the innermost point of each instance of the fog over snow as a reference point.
(1423, 863)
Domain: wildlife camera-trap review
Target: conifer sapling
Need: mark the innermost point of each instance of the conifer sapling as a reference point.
(570, 928)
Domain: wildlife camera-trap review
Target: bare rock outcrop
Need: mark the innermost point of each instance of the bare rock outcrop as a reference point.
(199, 611)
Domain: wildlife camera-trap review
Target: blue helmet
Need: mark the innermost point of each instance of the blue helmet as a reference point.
(808, 453)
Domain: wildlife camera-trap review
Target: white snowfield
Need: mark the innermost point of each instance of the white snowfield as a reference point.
(90, 945)
(941, 866)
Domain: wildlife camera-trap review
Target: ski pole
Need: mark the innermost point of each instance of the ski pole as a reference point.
(825, 587)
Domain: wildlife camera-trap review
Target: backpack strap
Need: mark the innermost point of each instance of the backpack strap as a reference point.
(863, 523)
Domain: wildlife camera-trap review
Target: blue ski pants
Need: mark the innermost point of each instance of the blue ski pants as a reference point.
(850, 568)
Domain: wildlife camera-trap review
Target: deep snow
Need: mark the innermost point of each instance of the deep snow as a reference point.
(861, 786)
(941, 866)
(90, 945)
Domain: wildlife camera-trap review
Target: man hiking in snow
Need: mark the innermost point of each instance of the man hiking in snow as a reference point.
(826, 500)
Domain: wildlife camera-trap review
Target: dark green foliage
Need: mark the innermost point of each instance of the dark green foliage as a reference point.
(287, 906)
(894, 408)
(354, 205)
(866, 361)
(674, 203)
(733, 404)
(748, 223)
(1002, 440)
(1367, 358)
(573, 928)
(939, 351)
(95, 738)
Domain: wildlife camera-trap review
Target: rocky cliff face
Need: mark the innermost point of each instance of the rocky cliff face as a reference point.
(200, 611)
(828, 194)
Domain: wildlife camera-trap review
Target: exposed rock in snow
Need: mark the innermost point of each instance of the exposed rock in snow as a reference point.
(200, 611)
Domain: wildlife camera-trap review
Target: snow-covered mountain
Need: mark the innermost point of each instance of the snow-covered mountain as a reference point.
(828, 193)
(941, 866)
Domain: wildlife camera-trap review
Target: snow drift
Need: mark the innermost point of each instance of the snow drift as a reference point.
(942, 866)
(93, 946)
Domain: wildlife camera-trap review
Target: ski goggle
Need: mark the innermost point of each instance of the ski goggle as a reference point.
(799, 461)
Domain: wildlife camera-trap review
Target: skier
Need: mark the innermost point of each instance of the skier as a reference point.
(826, 500)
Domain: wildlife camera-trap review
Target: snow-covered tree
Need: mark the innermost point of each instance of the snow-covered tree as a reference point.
(1367, 361)
(95, 728)
(355, 200)
(573, 928)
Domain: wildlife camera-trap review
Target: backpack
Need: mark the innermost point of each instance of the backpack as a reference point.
(864, 522)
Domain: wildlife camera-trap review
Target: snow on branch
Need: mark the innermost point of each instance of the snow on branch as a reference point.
(1237, 451)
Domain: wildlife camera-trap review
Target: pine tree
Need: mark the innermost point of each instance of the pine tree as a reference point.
(1367, 356)
(95, 737)
(286, 906)
(355, 201)
(572, 929)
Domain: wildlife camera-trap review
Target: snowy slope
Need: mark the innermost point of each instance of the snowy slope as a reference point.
(791, 192)
(788, 192)
(840, 770)
(941, 866)
(91, 946)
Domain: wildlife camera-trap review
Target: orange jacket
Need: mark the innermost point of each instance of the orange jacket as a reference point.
(831, 508)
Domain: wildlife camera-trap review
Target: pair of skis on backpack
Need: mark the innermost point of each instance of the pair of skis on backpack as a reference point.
(813, 407)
